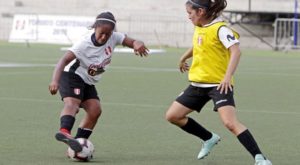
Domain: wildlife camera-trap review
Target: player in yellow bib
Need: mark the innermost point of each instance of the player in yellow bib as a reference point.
(215, 56)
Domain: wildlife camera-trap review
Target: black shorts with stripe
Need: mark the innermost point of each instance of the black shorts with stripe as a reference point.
(72, 85)
(196, 97)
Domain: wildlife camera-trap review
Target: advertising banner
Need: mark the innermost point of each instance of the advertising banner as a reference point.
(55, 29)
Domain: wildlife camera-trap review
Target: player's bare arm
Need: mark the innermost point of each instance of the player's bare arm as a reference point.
(138, 46)
(183, 65)
(235, 54)
(67, 58)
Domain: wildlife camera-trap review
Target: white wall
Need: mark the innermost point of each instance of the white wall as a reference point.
(262, 5)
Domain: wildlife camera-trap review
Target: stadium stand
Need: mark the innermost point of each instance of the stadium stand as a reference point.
(163, 23)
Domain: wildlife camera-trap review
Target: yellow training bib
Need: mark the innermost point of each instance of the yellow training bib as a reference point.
(210, 57)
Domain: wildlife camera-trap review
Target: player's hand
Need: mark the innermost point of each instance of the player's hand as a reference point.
(53, 87)
(225, 86)
(183, 66)
(140, 48)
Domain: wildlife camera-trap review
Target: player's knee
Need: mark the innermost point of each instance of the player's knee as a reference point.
(95, 112)
(71, 107)
(98, 113)
(172, 118)
(229, 125)
(168, 116)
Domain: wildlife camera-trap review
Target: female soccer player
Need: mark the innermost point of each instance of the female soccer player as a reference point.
(79, 69)
(215, 55)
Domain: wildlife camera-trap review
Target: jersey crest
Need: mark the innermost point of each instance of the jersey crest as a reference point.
(76, 91)
(108, 51)
(200, 40)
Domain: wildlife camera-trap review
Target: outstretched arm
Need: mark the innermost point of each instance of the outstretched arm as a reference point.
(138, 46)
(67, 58)
(183, 65)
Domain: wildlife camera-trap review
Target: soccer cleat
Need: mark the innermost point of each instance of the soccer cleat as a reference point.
(261, 160)
(208, 145)
(69, 140)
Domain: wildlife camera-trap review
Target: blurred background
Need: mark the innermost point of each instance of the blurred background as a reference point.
(135, 92)
(162, 22)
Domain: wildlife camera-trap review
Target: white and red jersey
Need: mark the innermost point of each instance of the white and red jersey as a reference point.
(92, 60)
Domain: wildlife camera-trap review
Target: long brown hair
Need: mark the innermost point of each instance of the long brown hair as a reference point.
(213, 8)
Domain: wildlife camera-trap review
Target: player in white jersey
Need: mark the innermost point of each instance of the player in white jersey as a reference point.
(79, 69)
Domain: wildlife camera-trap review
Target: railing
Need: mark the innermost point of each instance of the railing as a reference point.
(287, 33)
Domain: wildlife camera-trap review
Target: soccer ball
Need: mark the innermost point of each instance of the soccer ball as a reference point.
(87, 151)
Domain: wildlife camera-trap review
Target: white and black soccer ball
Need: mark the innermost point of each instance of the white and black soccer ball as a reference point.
(87, 151)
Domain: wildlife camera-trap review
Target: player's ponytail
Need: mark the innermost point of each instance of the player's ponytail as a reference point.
(216, 8)
(105, 18)
(213, 8)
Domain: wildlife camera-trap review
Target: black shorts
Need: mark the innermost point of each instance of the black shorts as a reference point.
(196, 97)
(72, 85)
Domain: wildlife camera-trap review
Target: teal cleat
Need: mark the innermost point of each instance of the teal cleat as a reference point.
(208, 145)
(261, 160)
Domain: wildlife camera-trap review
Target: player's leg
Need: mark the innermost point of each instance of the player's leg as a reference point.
(230, 121)
(67, 116)
(71, 90)
(177, 114)
(87, 124)
(225, 105)
(67, 119)
(193, 98)
(91, 104)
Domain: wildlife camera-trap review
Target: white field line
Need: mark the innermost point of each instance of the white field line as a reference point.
(141, 69)
(20, 65)
(15, 65)
(127, 50)
(138, 105)
(145, 69)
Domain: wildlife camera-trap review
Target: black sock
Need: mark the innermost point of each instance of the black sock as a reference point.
(249, 143)
(67, 122)
(196, 129)
(83, 133)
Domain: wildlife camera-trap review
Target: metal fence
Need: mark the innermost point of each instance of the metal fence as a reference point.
(287, 34)
(160, 30)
